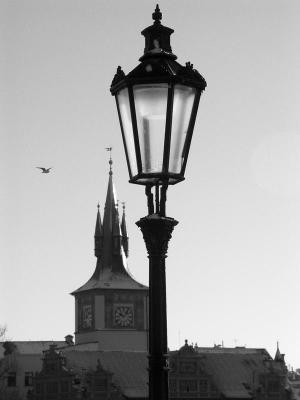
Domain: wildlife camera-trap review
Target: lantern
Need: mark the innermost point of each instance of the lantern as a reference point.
(157, 104)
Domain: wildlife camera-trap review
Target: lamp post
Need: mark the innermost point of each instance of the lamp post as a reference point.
(157, 104)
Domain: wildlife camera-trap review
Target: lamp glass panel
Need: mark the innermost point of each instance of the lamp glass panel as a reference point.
(124, 108)
(151, 108)
(184, 97)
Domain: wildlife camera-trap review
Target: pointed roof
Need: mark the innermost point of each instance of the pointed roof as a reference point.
(125, 239)
(123, 223)
(278, 356)
(98, 234)
(111, 270)
(98, 227)
(116, 229)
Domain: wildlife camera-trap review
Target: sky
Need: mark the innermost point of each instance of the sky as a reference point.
(234, 258)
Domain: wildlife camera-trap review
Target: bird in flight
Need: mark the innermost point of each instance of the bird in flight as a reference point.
(44, 170)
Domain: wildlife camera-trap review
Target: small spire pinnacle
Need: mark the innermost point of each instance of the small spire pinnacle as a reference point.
(279, 356)
(157, 15)
(110, 159)
(98, 236)
(125, 239)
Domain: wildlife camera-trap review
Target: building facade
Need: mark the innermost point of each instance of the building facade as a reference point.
(213, 373)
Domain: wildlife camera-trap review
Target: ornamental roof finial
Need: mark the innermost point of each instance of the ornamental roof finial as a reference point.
(125, 239)
(157, 15)
(110, 160)
(98, 236)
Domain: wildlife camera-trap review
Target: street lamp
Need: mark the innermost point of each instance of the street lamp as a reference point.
(157, 104)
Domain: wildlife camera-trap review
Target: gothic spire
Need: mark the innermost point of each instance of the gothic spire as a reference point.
(116, 232)
(111, 225)
(98, 237)
(125, 238)
(278, 356)
(111, 246)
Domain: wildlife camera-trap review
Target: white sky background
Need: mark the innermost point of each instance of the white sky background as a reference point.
(234, 259)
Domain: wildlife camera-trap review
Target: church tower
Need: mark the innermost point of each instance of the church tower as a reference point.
(111, 307)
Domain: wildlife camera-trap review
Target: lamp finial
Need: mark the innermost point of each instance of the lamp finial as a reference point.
(157, 15)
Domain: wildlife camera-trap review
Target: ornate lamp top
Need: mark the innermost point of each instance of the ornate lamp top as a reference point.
(157, 15)
(157, 37)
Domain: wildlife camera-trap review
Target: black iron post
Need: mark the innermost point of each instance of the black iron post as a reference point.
(157, 231)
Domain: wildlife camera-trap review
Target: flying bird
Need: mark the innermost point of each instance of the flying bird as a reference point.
(44, 170)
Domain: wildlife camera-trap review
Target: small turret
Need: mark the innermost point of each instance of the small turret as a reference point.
(98, 237)
(116, 232)
(125, 238)
(279, 357)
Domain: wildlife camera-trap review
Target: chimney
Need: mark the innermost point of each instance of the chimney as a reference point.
(69, 340)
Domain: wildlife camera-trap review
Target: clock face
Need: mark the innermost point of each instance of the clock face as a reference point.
(123, 315)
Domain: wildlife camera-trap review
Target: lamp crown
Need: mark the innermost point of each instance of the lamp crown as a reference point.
(157, 38)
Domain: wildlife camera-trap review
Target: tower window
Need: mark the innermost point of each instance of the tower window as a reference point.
(85, 312)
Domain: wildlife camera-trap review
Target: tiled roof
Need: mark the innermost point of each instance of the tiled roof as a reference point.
(233, 373)
(21, 362)
(103, 278)
(129, 368)
(231, 350)
(90, 346)
(32, 347)
(30, 362)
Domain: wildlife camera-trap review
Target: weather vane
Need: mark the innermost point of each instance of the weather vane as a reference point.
(110, 160)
